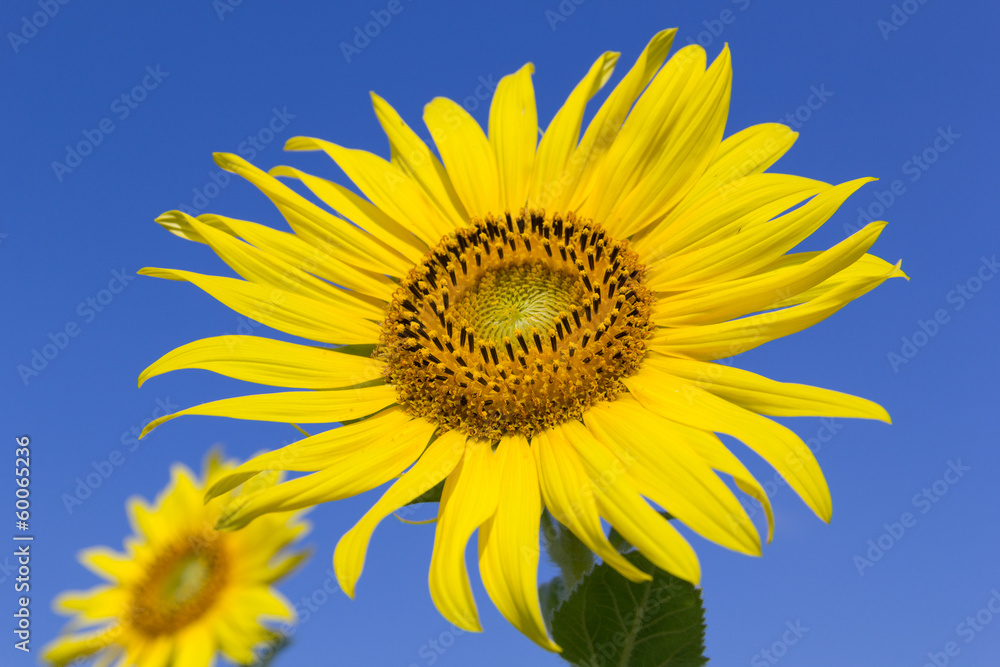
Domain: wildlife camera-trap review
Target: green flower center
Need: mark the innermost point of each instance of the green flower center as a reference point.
(518, 298)
(186, 580)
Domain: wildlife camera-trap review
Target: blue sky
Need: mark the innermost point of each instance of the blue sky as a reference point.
(895, 91)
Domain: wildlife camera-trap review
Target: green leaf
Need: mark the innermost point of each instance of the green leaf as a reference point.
(431, 495)
(608, 621)
(620, 544)
(267, 653)
(573, 558)
(551, 595)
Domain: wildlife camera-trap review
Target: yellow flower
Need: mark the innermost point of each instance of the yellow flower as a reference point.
(182, 590)
(535, 322)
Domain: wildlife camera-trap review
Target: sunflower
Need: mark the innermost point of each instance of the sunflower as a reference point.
(182, 590)
(536, 323)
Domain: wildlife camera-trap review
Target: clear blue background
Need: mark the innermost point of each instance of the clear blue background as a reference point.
(892, 92)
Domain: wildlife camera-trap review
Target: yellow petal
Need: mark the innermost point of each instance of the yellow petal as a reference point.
(156, 652)
(641, 139)
(144, 520)
(554, 174)
(236, 642)
(467, 156)
(311, 258)
(682, 401)
(710, 448)
(196, 646)
(760, 242)
(97, 604)
(271, 362)
(726, 339)
(416, 160)
(288, 247)
(607, 122)
(513, 134)
(281, 568)
(184, 491)
(387, 186)
(749, 151)
(681, 154)
(671, 474)
(434, 464)
(867, 268)
(724, 301)
(714, 216)
(292, 313)
(374, 465)
(569, 495)
(320, 227)
(360, 212)
(67, 649)
(109, 564)
(263, 602)
(323, 450)
(299, 407)
(264, 268)
(620, 503)
(176, 509)
(765, 396)
(265, 545)
(469, 498)
(508, 542)
(179, 224)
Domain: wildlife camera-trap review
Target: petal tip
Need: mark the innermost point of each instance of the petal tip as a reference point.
(225, 160)
(153, 424)
(283, 170)
(300, 144)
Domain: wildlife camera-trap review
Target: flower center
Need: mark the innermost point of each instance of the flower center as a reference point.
(515, 325)
(518, 298)
(180, 585)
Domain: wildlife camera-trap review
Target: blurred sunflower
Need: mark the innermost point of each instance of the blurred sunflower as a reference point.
(535, 323)
(182, 590)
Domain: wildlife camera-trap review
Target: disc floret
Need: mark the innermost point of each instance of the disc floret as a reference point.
(516, 324)
(180, 585)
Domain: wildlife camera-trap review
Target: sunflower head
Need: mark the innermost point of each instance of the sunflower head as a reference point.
(540, 322)
(183, 591)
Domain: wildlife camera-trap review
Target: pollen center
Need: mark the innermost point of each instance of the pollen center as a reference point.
(180, 585)
(516, 324)
(518, 298)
